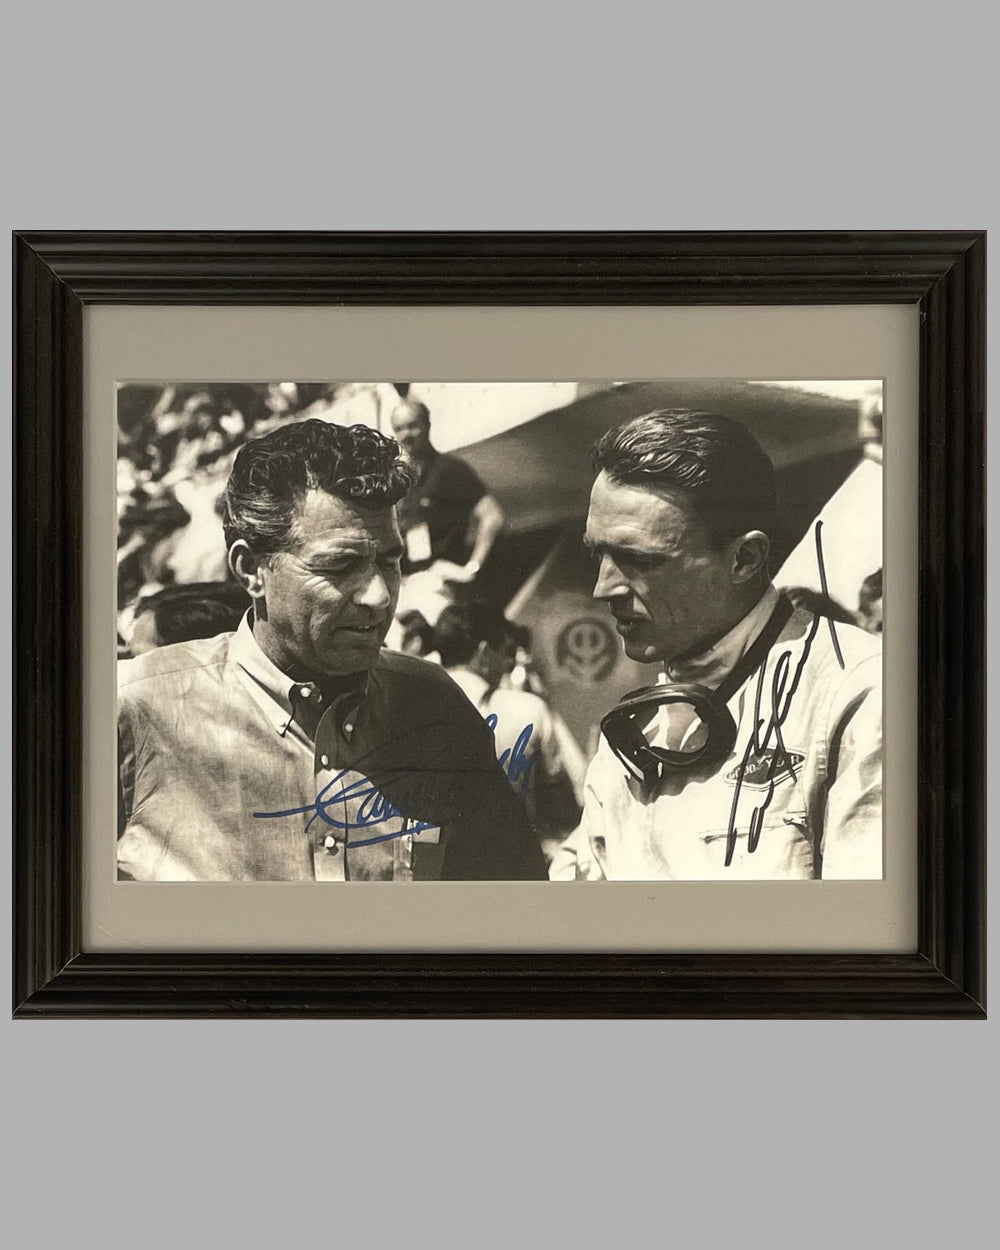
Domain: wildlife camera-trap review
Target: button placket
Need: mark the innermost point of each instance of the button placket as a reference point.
(333, 844)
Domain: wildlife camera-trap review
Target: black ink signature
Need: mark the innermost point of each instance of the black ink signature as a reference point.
(821, 564)
(779, 714)
(756, 745)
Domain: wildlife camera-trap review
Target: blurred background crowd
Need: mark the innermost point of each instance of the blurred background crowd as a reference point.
(517, 628)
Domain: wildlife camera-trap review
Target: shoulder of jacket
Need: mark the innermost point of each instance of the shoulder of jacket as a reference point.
(842, 674)
(411, 668)
(166, 662)
(836, 649)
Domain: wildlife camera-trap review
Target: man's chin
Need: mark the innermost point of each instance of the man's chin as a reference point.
(642, 651)
(353, 659)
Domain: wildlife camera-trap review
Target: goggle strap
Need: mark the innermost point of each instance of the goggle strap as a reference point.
(628, 742)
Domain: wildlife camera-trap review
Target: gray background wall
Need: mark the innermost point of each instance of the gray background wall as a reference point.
(852, 116)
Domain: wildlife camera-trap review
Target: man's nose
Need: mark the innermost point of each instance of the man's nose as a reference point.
(374, 593)
(610, 583)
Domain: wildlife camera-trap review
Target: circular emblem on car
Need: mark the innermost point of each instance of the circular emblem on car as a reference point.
(586, 649)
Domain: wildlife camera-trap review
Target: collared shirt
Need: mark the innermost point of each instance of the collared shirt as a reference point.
(800, 795)
(677, 728)
(711, 667)
(230, 770)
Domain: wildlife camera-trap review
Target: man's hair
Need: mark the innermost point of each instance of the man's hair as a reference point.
(272, 475)
(462, 627)
(726, 477)
(194, 610)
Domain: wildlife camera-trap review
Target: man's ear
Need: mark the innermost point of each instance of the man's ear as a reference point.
(245, 567)
(749, 556)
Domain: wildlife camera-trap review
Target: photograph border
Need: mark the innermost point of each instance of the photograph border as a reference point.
(58, 273)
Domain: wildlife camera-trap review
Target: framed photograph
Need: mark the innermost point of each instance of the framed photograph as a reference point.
(636, 634)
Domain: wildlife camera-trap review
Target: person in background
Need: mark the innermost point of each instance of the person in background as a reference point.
(297, 748)
(821, 605)
(416, 637)
(869, 614)
(477, 649)
(449, 521)
(185, 612)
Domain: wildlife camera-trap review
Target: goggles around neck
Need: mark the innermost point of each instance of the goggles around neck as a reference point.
(624, 725)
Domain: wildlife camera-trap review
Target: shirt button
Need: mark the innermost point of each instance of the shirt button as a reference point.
(330, 842)
(348, 729)
(305, 692)
(324, 761)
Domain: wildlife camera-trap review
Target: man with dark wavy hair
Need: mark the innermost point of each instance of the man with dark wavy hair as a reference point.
(758, 753)
(297, 748)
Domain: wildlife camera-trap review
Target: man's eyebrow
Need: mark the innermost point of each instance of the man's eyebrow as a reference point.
(619, 549)
(338, 551)
(356, 547)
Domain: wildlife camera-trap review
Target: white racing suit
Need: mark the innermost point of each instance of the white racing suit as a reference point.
(800, 795)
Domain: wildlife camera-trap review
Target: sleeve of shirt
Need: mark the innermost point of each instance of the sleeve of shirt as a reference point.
(124, 798)
(852, 828)
(490, 837)
(494, 840)
(126, 782)
(126, 767)
(460, 483)
(581, 857)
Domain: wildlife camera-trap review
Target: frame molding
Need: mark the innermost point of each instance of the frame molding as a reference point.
(57, 273)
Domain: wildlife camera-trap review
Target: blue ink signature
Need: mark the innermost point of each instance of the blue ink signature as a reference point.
(375, 808)
(516, 762)
(779, 714)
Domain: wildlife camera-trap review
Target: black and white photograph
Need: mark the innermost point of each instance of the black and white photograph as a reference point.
(551, 631)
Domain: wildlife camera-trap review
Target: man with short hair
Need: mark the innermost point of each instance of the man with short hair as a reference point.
(448, 518)
(758, 754)
(297, 748)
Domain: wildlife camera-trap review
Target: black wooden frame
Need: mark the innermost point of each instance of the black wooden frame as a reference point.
(57, 273)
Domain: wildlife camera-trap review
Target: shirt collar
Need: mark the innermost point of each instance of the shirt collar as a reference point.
(712, 666)
(275, 692)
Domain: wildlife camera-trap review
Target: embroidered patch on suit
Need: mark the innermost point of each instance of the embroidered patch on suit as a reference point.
(763, 767)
